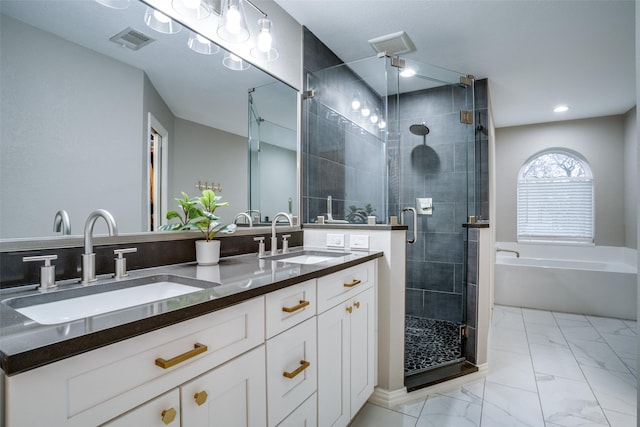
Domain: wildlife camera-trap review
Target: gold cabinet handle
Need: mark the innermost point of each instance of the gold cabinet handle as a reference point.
(303, 365)
(201, 397)
(352, 284)
(349, 309)
(168, 415)
(357, 304)
(197, 349)
(300, 306)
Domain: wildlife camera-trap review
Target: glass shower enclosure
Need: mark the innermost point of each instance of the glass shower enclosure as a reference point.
(383, 135)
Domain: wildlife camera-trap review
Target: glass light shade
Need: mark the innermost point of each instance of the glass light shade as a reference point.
(193, 9)
(355, 102)
(114, 4)
(373, 118)
(160, 22)
(366, 111)
(199, 44)
(234, 62)
(232, 26)
(382, 124)
(264, 49)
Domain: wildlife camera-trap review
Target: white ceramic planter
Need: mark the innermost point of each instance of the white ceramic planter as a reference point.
(207, 253)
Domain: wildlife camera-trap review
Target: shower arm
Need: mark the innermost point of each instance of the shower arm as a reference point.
(415, 223)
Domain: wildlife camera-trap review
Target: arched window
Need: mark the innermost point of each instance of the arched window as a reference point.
(555, 198)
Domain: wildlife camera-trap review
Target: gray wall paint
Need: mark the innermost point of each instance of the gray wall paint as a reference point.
(631, 179)
(276, 182)
(600, 140)
(60, 127)
(201, 153)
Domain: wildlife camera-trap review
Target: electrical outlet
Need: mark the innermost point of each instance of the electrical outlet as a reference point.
(359, 242)
(335, 240)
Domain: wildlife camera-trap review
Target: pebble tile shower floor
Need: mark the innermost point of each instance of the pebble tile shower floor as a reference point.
(429, 343)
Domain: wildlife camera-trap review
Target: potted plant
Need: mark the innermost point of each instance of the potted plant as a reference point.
(199, 213)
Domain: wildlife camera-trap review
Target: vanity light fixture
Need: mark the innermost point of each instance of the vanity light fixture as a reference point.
(232, 26)
(382, 124)
(200, 44)
(234, 62)
(561, 109)
(373, 118)
(114, 4)
(366, 111)
(160, 22)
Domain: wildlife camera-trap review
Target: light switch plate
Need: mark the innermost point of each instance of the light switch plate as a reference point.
(358, 241)
(335, 240)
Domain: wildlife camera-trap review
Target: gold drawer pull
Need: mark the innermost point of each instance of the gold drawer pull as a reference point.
(352, 284)
(302, 305)
(201, 397)
(303, 365)
(197, 349)
(349, 309)
(168, 415)
(357, 304)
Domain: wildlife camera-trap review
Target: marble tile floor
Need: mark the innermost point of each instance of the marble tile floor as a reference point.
(546, 369)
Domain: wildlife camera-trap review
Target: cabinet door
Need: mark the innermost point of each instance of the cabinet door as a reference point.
(362, 347)
(333, 366)
(305, 415)
(234, 394)
(291, 369)
(159, 412)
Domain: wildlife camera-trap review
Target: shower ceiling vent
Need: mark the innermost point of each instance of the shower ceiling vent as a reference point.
(393, 44)
(131, 39)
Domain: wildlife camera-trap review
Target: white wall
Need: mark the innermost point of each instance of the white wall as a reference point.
(47, 128)
(277, 181)
(201, 153)
(600, 140)
(631, 179)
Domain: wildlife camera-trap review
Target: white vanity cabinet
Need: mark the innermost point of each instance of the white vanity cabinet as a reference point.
(98, 386)
(346, 343)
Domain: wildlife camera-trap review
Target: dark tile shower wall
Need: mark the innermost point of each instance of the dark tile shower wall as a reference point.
(481, 167)
(341, 158)
(437, 169)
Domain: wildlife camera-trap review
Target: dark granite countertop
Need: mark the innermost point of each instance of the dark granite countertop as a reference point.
(26, 344)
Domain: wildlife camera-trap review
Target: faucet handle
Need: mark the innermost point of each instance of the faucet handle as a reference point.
(47, 271)
(260, 241)
(121, 262)
(285, 243)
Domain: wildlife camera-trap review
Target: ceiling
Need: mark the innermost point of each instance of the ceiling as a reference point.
(536, 53)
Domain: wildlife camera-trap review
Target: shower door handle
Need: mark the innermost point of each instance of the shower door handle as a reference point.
(415, 223)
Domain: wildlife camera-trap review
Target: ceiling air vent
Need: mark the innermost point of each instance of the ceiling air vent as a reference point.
(131, 39)
(393, 44)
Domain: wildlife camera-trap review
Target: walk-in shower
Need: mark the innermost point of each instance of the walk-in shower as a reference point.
(420, 153)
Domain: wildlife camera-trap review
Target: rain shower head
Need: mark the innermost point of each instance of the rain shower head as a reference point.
(419, 129)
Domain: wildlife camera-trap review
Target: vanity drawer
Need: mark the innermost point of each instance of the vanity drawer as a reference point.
(289, 306)
(342, 285)
(291, 370)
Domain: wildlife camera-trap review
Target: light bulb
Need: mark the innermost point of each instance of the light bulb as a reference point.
(407, 72)
(355, 104)
(161, 17)
(365, 111)
(233, 20)
(382, 124)
(191, 4)
(264, 41)
(374, 118)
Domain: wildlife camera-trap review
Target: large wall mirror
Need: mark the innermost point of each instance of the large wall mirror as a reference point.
(127, 125)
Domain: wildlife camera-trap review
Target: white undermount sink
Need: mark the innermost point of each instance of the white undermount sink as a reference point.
(82, 302)
(309, 256)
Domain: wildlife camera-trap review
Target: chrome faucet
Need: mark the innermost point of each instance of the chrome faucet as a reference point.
(509, 250)
(243, 215)
(61, 222)
(89, 258)
(274, 239)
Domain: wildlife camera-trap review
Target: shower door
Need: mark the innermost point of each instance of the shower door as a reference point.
(429, 153)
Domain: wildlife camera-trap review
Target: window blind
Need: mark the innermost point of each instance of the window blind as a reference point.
(555, 209)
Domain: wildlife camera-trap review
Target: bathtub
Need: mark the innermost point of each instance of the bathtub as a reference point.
(596, 280)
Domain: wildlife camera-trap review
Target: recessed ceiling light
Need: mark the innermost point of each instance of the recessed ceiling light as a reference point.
(560, 109)
(407, 72)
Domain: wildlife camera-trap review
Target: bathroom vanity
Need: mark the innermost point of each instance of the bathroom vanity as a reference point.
(271, 343)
